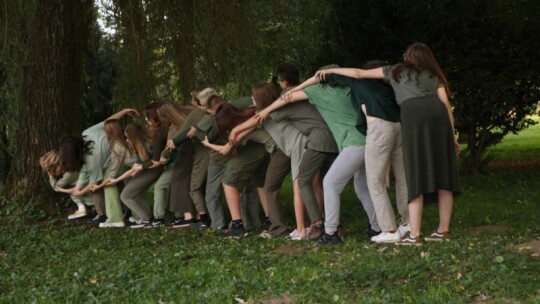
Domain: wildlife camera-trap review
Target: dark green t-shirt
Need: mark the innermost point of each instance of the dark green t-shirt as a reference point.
(378, 97)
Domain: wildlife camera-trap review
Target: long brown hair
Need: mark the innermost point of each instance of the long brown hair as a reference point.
(173, 114)
(419, 57)
(71, 152)
(264, 94)
(137, 137)
(228, 116)
(114, 131)
(150, 112)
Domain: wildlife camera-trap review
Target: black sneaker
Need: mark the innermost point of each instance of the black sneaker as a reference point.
(371, 233)
(97, 220)
(266, 225)
(140, 224)
(127, 214)
(154, 223)
(236, 231)
(204, 223)
(327, 239)
(182, 223)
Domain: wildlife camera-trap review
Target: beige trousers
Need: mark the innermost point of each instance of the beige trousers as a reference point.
(383, 145)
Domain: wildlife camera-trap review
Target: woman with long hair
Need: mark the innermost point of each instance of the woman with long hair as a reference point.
(62, 181)
(249, 161)
(318, 146)
(427, 128)
(147, 144)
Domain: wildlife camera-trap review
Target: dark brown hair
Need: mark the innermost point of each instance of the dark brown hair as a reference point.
(150, 111)
(173, 114)
(264, 94)
(419, 57)
(71, 152)
(228, 116)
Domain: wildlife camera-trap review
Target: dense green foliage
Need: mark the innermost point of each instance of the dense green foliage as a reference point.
(151, 50)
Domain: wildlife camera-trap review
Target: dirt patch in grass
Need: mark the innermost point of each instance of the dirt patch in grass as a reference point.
(488, 229)
(514, 165)
(531, 248)
(490, 300)
(290, 249)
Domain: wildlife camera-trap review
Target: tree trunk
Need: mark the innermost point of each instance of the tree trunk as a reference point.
(50, 106)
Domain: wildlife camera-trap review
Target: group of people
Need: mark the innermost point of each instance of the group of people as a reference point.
(338, 125)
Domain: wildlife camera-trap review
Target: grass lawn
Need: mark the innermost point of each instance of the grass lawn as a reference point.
(64, 261)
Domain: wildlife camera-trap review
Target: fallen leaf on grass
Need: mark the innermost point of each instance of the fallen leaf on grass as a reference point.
(459, 276)
(460, 288)
(93, 281)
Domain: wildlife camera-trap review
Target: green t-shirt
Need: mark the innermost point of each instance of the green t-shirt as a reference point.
(337, 109)
(377, 96)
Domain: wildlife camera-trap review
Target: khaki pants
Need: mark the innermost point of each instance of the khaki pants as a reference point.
(383, 145)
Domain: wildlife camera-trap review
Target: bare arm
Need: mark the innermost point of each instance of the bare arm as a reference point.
(309, 82)
(114, 181)
(225, 149)
(249, 124)
(441, 93)
(350, 72)
(288, 97)
(122, 113)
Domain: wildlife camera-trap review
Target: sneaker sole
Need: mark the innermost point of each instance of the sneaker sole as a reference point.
(408, 244)
(386, 241)
(436, 240)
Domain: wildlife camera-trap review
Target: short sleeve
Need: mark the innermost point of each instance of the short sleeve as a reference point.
(387, 71)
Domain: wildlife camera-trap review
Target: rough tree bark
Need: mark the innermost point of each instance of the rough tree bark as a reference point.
(50, 106)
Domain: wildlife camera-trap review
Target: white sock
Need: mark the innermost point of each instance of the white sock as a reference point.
(81, 206)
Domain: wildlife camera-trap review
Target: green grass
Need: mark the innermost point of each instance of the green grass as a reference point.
(522, 146)
(67, 262)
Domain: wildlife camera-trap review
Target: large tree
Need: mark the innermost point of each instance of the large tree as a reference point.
(50, 105)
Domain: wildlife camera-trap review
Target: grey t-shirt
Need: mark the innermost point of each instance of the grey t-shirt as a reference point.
(412, 84)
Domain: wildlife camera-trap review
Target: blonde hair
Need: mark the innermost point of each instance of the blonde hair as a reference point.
(50, 163)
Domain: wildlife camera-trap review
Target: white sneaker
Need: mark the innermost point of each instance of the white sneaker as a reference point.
(265, 235)
(403, 229)
(118, 224)
(387, 237)
(298, 236)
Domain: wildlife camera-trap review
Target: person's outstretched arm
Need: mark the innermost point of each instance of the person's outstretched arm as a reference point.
(351, 72)
(249, 124)
(122, 113)
(280, 102)
(441, 93)
(309, 82)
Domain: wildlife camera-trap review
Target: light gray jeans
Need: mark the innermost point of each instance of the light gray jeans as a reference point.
(383, 145)
(349, 163)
